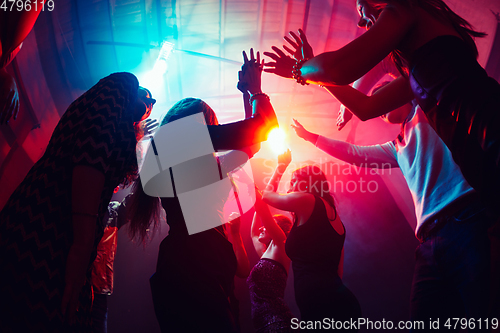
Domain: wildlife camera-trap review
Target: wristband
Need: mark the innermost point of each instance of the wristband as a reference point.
(254, 96)
(297, 74)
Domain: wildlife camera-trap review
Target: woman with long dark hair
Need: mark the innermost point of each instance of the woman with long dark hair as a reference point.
(315, 244)
(193, 285)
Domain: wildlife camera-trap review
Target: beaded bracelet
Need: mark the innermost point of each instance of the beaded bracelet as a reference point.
(297, 74)
(254, 96)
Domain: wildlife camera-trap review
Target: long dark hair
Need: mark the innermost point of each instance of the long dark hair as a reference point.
(440, 10)
(144, 212)
(317, 183)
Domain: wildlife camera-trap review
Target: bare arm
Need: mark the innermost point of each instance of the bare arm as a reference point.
(365, 84)
(260, 248)
(355, 59)
(14, 27)
(87, 185)
(392, 96)
(373, 156)
(274, 230)
(299, 203)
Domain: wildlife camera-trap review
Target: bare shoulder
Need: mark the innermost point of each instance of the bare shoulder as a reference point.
(334, 218)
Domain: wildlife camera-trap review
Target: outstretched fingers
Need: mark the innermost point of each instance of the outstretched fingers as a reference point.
(289, 50)
(280, 53)
(272, 56)
(297, 39)
(303, 37)
(291, 42)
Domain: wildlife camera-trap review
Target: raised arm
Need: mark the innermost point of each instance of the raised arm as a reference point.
(355, 59)
(15, 25)
(268, 221)
(297, 202)
(376, 156)
(365, 84)
(392, 96)
(243, 87)
(260, 247)
(253, 130)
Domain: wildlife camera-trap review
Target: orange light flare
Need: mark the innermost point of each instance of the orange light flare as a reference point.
(276, 140)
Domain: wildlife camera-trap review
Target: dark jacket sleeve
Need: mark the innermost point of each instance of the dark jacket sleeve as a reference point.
(239, 134)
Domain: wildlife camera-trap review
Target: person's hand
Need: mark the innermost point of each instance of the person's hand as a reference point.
(9, 97)
(302, 48)
(344, 117)
(301, 131)
(282, 65)
(234, 223)
(242, 85)
(149, 126)
(251, 72)
(284, 160)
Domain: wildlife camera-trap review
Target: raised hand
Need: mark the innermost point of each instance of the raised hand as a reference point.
(344, 117)
(150, 126)
(234, 223)
(242, 85)
(282, 65)
(250, 75)
(301, 131)
(303, 49)
(284, 160)
(9, 97)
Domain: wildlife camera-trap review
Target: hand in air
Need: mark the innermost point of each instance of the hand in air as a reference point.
(300, 130)
(303, 49)
(234, 223)
(344, 117)
(250, 74)
(284, 160)
(9, 97)
(149, 126)
(282, 65)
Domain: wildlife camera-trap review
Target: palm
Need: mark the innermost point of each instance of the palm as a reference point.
(282, 65)
(302, 48)
(285, 158)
